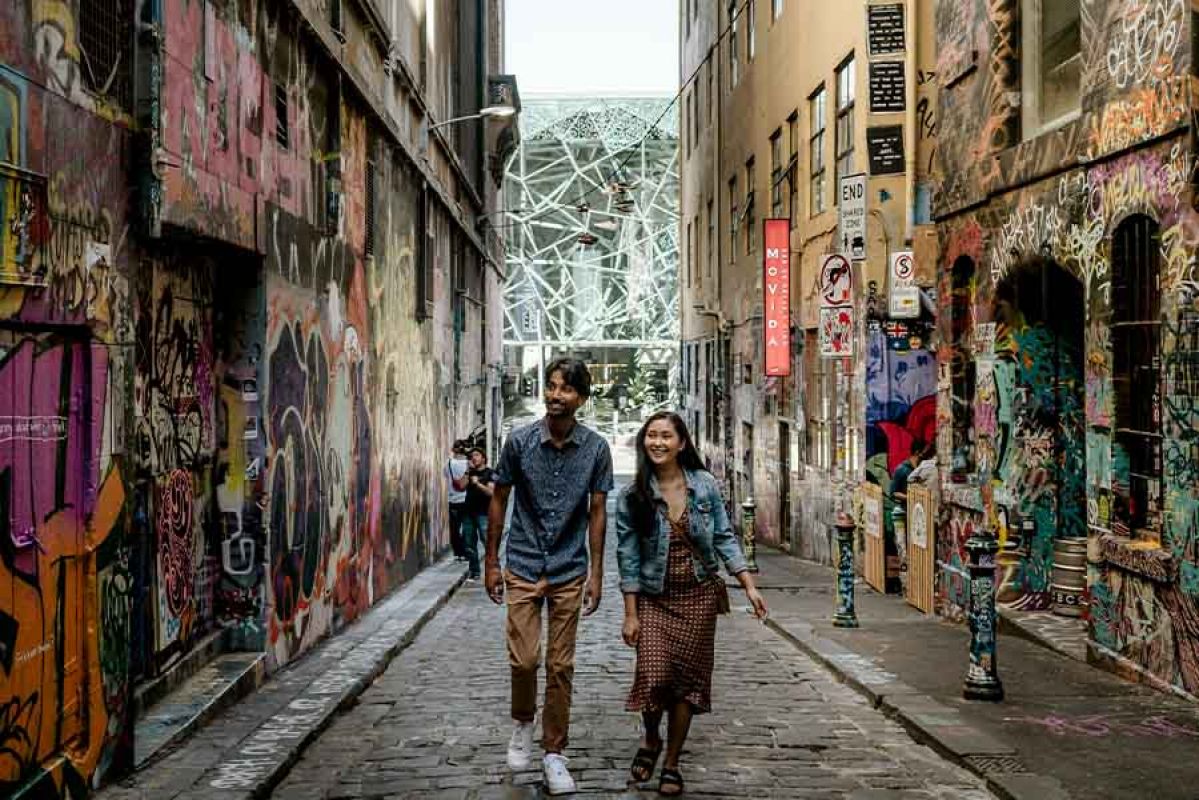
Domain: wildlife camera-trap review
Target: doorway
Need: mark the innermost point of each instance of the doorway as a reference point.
(1030, 415)
(785, 485)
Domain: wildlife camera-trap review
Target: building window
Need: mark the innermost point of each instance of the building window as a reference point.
(712, 90)
(846, 80)
(1052, 65)
(106, 42)
(711, 254)
(696, 97)
(819, 387)
(694, 229)
(776, 173)
(687, 20)
(751, 227)
(688, 255)
(817, 104)
(686, 127)
(732, 218)
(1136, 379)
(776, 8)
(793, 166)
(732, 44)
(751, 30)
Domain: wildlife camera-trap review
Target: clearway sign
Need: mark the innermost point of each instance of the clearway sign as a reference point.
(776, 287)
(852, 216)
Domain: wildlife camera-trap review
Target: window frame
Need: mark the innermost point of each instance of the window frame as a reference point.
(776, 173)
(1032, 118)
(686, 131)
(734, 56)
(844, 124)
(817, 165)
(751, 31)
(1136, 342)
(690, 263)
(711, 255)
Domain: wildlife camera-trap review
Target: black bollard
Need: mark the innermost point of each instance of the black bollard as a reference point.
(845, 617)
(982, 676)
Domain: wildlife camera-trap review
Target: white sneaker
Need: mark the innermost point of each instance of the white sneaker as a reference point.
(557, 777)
(520, 747)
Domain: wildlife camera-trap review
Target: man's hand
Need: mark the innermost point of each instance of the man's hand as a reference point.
(494, 581)
(591, 598)
(630, 631)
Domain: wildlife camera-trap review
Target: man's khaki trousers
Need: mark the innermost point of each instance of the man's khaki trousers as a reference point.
(525, 602)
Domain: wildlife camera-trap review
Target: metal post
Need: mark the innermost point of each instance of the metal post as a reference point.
(845, 617)
(982, 677)
(748, 534)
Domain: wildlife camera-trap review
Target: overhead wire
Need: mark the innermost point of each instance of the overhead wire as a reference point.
(580, 200)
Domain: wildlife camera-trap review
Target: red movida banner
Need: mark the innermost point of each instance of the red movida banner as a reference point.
(776, 287)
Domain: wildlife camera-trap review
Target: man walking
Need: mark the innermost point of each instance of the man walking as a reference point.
(480, 487)
(562, 473)
(455, 471)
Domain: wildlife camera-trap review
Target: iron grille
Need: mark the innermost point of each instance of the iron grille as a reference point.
(106, 48)
(1136, 375)
(371, 208)
(282, 126)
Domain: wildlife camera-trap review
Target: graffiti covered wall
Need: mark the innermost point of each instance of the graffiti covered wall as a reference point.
(1029, 435)
(65, 361)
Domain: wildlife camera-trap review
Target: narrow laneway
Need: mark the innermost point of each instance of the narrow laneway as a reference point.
(435, 723)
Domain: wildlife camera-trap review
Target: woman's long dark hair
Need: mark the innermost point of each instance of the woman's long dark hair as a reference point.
(641, 498)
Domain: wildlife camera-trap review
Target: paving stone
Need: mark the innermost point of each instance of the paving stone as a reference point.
(782, 725)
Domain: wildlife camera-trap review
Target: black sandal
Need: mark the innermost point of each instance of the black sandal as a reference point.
(644, 763)
(670, 777)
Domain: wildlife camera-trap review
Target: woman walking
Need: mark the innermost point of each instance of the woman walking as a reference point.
(673, 531)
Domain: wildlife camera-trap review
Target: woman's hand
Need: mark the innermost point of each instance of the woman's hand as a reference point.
(757, 601)
(631, 630)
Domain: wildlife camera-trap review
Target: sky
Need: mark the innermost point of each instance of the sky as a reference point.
(585, 46)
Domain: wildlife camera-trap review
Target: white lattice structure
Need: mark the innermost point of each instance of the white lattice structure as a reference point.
(622, 290)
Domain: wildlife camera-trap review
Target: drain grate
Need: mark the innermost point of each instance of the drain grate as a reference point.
(994, 765)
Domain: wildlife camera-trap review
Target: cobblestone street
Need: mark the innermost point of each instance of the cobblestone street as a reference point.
(435, 724)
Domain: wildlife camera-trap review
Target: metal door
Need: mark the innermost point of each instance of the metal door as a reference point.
(45, 465)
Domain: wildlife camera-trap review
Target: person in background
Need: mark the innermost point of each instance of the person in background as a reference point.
(455, 472)
(479, 489)
(897, 497)
(673, 532)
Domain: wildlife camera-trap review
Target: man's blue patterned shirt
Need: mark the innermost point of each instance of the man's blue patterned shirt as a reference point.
(551, 490)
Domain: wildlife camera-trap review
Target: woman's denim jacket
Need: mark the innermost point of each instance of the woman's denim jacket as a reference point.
(642, 558)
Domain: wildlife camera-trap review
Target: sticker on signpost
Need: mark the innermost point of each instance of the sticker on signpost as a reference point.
(836, 332)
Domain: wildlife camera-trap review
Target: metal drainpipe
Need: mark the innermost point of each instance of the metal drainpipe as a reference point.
(910, 143)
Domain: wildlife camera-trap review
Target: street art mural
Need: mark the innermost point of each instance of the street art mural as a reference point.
(174, 428)
(65, 362)
(60, 566)
(1038, 455)
(183, 372)
(901, 387)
